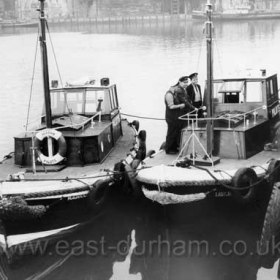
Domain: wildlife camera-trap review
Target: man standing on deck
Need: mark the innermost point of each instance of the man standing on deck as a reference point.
(177, 104)
(194, 93)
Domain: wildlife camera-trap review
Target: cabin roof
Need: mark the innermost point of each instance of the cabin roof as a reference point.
(247, 76)
(89, 87)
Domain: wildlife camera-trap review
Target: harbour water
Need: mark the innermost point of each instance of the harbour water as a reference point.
(143, 60)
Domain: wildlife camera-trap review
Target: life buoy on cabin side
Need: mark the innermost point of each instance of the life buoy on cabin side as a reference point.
(56, 135)
(245, 177)
(97, 195)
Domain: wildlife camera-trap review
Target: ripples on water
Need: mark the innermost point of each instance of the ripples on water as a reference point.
(144, 61)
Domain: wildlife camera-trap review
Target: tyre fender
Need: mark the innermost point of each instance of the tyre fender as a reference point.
(98, 194)
(119, 174)
(130, 178)
(270, 231)
(242, 178)
(276, 135)
(141, 153)
(273, 171)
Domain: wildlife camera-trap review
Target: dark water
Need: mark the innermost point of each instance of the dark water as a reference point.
(139, 241)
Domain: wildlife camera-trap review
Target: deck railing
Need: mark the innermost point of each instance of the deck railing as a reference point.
(193, 116)
(98, 114)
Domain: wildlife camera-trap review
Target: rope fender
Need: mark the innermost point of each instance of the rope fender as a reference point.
(16, 208)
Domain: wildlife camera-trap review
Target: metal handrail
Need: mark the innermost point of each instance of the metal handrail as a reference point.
(77, 124)
(196, 119)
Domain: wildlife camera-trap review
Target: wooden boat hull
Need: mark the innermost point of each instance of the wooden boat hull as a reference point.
(66, 197)
(177, 185)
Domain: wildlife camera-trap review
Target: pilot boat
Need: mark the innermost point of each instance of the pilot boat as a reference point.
(231, 152)
(61, 170)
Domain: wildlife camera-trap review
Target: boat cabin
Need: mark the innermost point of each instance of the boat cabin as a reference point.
(89, 119)
(244, 113)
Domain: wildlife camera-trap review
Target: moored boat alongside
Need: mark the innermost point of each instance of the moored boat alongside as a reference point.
(61, 170)
(231, 152)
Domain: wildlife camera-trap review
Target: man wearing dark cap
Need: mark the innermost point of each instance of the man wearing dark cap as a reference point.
(194, 93)
(177, 104)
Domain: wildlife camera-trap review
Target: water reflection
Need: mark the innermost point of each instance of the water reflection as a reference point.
(179, 29)
(144, 241)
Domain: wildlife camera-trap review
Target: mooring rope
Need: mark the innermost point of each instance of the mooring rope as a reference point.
(238, 188)
(140, 117)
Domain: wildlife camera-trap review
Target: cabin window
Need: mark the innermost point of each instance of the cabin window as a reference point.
(55, 97)
(74, 102)
(229, 92)
(270, 86)
(58, 103)
(91, 102)
(113, 98)
(93, 98)
(254, 92)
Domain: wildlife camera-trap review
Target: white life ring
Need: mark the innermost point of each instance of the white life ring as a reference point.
(57, 135)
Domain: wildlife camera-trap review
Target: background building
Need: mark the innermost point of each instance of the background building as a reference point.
(26, 9)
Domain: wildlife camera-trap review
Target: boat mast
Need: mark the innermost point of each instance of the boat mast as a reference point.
(45, 67)
(209, 92)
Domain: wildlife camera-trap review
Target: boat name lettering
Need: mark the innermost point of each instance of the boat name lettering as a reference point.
(76, 197)
(48, 133)
(50, 160)
(222, 194)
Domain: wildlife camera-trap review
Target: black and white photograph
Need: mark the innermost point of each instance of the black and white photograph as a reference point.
(139, 140)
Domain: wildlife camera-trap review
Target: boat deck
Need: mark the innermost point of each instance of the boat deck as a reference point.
(225, 164)
(118, 153)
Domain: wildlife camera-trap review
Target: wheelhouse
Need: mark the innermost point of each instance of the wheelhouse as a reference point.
(85, 101)
(245, 95)
(245, 111)
(89, 119)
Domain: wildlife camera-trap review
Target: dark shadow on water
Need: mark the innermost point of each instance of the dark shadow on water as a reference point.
(172, 242)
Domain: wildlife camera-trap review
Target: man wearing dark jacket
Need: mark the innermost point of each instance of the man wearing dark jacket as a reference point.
(194, 93)
(177, 104)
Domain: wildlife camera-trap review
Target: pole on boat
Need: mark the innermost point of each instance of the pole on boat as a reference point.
(45, 67)
(209, 92)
